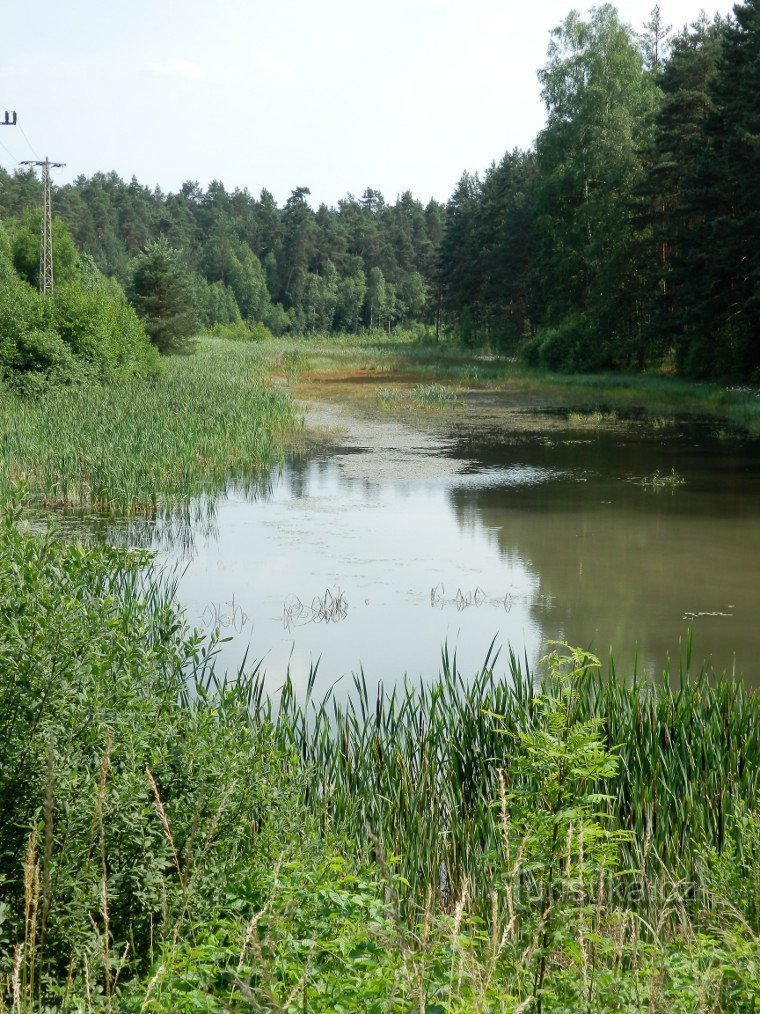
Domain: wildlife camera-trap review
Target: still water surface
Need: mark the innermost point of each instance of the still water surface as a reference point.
(487, 523)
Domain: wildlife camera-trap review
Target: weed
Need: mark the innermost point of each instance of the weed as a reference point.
(657, 482)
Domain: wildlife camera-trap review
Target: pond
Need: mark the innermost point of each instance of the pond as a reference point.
(400, 532)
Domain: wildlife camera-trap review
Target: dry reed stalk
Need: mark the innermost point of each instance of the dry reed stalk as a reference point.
(87, 986)
(582, 944)
(31, 908)
(249, 931)
(456, 950)
(152, 985)
(165, 824)
(18, 959)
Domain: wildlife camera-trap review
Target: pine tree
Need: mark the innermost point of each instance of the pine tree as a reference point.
(160, 291)
(729, 179)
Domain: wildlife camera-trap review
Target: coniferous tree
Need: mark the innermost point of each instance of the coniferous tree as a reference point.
(161, 292)
(722, 328)
(677, 147)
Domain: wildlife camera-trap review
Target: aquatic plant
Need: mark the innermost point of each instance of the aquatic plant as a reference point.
(420, 396)
(656, 481)
(143, 448)
(417, 764)
(591, 419)
(174, 839)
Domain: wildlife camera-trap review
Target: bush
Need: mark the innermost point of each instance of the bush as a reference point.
(87, 329)
(239, 331)
(571, 346)
(25, 245)
(46, 356)
(126, 804)
(102, 330)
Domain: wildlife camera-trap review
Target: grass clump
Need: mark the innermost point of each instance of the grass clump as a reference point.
(420, 396)
(145, 447)
(591, 419)
(657, 481)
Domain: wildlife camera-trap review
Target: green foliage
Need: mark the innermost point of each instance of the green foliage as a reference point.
(247, 280)
(25, 244)
(600, 105)
(102, 330)
(570, 346)
(126, 804)
(314, 933)
(215, 303)
(161, 293)
(160, 847)
(86, 330)
(421, 767)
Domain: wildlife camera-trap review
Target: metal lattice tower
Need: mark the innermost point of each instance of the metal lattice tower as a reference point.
(46, 239)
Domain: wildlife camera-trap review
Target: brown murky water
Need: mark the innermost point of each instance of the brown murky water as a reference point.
(400, 531)
(497, 519)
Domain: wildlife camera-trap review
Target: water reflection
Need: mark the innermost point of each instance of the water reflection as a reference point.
(473, 533)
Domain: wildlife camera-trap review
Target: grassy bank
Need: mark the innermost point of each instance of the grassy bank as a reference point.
(172, 842)
(424, 359)
(146, 446)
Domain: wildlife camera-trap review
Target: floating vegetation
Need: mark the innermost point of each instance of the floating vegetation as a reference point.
(656, 481)
(693, 616)
(420, 396)
(592, 419)
(230, 615)
(463, 600)
(662, 422)
(332, 607)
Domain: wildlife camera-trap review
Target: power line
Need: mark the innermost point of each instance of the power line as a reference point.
(8, 151)
(31, 146)
(46, 239)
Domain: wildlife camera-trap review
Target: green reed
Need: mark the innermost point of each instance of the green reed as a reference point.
(149, 446)
(418, 766)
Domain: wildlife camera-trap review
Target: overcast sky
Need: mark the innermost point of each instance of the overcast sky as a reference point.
(337, 95)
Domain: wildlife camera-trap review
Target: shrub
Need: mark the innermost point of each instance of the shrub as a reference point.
(126, 804)
(103, 330)
(238, 331)
(25, 244)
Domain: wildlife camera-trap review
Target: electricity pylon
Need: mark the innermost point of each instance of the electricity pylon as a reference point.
(46, 243)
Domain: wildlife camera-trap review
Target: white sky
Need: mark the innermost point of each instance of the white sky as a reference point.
(337, 95)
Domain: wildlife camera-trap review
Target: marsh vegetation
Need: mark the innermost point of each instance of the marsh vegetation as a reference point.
(472, 844)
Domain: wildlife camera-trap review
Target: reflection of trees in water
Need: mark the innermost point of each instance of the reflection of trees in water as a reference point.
(624, 573)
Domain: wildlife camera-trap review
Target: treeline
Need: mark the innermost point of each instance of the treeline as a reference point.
(627, 236)
(363, 264)
(630, 234)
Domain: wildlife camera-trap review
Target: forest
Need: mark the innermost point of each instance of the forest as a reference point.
(625, 238)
